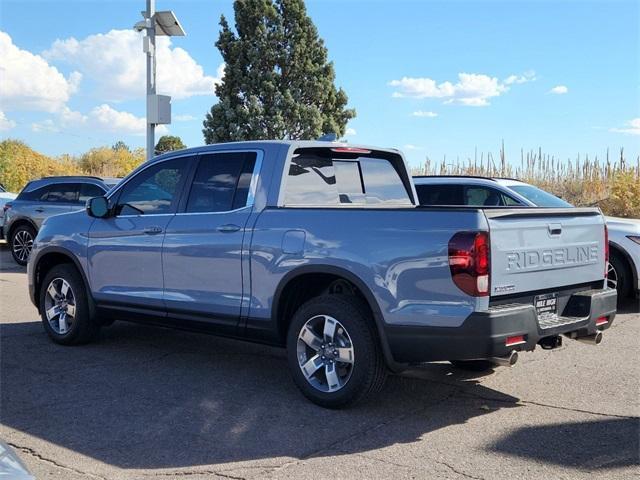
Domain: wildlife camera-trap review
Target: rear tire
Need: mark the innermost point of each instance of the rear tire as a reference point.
(473, 365)
(21, 243)
(329, 381)
(622, 275)
(64, 307)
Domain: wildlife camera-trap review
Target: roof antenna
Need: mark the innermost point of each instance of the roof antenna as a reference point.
(328, 137)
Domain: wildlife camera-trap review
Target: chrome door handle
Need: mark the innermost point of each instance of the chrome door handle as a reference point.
(153, 230)
(228, 228)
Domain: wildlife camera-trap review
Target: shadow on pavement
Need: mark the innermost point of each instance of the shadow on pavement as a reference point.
(7, 264)
(145, 397)
(611, 443)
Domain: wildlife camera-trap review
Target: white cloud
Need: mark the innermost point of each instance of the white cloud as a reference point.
(113, 120)
(101, 118)
(559, 90)
(115, 61)
(47, 125)
(5, 123)
(422, 113)
(184, 118)
(350, 132)
(410, 146)
(28, 82)
(632, 127)
(528, 76)
(472, 89)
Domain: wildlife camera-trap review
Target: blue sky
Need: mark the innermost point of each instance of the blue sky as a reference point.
(431, 78)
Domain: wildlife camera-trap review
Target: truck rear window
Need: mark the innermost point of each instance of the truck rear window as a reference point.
(317, 177)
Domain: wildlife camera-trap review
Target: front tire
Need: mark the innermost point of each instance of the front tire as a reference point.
(333, 351)
(64, 307)
(21, 243)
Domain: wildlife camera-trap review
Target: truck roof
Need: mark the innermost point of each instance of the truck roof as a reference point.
(266, 143)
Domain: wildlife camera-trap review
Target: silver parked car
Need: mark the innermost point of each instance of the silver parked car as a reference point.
(41, 199)
(5, 197)
(624, 233)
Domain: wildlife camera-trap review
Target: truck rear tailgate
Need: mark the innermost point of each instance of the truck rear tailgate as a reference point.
(544, 248)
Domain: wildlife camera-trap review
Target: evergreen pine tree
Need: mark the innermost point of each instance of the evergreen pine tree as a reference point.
(278, 82)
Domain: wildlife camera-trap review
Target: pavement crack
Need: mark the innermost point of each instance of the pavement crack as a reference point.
(33, 453)
(382, 460)
(188, 473)
(366, 431)
(455, 470)
(579, 410)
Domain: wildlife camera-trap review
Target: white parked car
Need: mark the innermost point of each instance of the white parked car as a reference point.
(624, 253)
(624, 233)
(4, 198)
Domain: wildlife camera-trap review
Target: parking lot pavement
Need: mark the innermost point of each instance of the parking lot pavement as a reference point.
(149, 402)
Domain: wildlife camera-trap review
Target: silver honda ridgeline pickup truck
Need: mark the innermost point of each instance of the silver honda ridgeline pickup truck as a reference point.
(319, 247)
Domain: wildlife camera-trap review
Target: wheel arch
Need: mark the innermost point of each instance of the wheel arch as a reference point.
(280, 305)
(624, 255)
(19, 222)
(48, 258)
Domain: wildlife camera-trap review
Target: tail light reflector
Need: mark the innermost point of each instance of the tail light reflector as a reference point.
(601, 321)
(469, 262)
(512, 341)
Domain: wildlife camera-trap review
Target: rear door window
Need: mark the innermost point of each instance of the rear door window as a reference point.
(222, 182)
(438, 195)
(62, 193)
(478, 196)
(317, 177)
(35, 195)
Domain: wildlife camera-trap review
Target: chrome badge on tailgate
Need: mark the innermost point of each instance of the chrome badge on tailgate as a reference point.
(550, 258)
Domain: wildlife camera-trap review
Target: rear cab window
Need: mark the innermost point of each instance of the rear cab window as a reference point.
(345, 177)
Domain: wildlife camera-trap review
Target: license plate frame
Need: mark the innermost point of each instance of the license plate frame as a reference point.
(546, 304)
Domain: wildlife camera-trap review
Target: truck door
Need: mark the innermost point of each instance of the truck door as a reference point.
(203, 246)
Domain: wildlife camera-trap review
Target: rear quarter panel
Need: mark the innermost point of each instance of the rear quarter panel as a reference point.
(401, 255)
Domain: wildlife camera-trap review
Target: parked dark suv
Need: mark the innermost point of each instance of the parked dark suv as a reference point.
(41, 199)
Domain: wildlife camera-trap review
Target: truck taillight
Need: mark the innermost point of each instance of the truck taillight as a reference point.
(469, 262)
(606, 251)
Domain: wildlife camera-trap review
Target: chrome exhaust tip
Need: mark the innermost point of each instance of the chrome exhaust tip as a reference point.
(508, 361)
(594, 339)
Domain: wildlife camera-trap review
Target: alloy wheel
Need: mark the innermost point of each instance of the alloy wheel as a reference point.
(325, 353)
(22, 245)
(612, 277)
(60, 306)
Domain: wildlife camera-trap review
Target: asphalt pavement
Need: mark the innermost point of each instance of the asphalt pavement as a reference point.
(146, 402)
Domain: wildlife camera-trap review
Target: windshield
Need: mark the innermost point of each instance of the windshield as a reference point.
(539, 197)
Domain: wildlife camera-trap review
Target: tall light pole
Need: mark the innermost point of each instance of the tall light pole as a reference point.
(158, 106)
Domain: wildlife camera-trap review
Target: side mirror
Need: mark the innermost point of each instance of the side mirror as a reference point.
(98, 207)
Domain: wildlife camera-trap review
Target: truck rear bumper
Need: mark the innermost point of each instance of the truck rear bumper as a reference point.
(485, 334)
